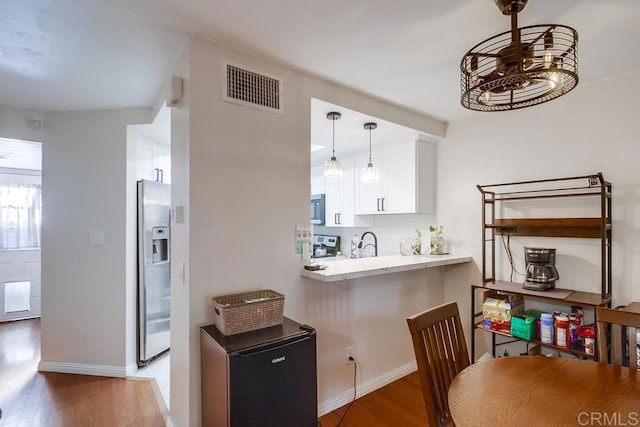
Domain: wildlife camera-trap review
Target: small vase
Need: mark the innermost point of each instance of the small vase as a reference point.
(406, 246)
(437, 245)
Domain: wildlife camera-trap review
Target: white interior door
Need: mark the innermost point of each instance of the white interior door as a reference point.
(19, 284)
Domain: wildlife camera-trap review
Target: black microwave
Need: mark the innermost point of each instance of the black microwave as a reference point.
(317, 209)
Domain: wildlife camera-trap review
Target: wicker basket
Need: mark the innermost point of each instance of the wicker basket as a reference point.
(248, 311)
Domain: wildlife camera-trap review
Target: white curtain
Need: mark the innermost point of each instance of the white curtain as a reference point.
(20, 215)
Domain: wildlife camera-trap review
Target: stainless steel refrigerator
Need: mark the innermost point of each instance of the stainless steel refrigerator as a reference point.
(154, 269)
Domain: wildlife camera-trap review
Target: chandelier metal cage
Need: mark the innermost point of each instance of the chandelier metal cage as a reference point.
(521, 67)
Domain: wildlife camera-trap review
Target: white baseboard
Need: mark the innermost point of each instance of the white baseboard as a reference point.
(365, 388)
(131, 368)
(82, 369)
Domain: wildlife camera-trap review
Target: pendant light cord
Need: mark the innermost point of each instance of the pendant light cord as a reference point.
(333, 145)
(370, 126)
(369, 145)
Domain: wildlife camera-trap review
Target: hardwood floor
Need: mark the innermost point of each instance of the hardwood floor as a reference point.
(397, 404)
(30, 398)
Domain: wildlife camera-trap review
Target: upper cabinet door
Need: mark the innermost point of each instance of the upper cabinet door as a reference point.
(317, 179)
(153, 160)
(347, 194)
(399, 178)
(406, 180)
(333, 201)
(339, 198)
(368, 195)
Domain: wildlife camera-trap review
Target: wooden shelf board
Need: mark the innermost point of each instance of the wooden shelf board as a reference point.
(588, 298)
(634, 307)
(558, 294)
(549, 227)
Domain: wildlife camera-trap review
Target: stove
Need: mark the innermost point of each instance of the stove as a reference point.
(325, 246)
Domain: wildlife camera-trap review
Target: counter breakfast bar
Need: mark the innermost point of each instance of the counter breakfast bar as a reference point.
(345, 269)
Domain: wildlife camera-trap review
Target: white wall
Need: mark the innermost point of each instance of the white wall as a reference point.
(181, 331)
(592, 129)
(85, 187)
(17, 123)
(249, 187)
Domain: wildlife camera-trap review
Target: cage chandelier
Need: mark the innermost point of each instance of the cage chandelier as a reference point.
(521, 67)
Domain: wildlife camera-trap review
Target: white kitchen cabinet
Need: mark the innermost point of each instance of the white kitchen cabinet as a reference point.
(339, 197)
(317, 179)
(406, 181)
(339, 194)
(153, 160)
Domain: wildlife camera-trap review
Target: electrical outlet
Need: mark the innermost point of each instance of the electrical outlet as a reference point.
(351, 354)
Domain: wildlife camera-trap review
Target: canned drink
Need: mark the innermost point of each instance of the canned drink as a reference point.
(588, 345)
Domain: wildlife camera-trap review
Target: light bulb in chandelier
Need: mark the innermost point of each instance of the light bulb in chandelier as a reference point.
(554, 79)
(547, 60)
(369, 173)
(333, 166)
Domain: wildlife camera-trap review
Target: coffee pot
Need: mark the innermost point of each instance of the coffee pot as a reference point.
(541, 270)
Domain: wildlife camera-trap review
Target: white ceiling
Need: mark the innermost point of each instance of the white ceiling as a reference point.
(82, 54)
(350, 135)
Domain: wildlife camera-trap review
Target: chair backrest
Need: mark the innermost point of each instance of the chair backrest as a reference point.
(441, 353)
(623, 326)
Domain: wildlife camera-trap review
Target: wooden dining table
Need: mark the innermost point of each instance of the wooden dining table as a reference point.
(545, 391)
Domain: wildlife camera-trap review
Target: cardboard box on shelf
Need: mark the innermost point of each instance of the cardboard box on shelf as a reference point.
(524, 325)
(498, 308)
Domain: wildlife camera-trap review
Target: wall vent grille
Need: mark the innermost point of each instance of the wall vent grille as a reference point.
(249, 88)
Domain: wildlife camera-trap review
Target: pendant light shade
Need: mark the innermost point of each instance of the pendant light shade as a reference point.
(333, 167)
(521, 67)
(370, 173)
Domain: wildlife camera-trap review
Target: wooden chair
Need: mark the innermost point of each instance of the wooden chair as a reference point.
(441, 353)
(623, 325)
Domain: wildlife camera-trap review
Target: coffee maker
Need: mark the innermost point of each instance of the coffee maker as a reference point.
(541, 269)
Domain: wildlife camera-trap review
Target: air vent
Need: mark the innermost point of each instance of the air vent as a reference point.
(252, 89)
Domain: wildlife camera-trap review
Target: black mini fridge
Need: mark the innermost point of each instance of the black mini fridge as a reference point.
(264, 378)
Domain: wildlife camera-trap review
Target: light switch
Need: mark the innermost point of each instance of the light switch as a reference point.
(178, 214)
(96, 237)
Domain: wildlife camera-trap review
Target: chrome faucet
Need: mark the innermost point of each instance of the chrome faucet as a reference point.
(374, 244)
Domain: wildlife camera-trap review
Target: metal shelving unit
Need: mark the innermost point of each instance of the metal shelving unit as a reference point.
(589, 186)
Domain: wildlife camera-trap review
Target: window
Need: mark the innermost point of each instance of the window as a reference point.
(20, 215)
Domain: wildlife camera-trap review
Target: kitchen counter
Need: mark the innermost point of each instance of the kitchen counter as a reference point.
(344, 269)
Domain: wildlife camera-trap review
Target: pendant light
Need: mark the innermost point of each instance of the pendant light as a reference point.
(519, 68)
(370, 173)
(333, 167)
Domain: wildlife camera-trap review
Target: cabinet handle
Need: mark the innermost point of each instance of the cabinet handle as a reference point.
(383, 203)
(378, 204)
(159, 175)
(340, 218)
(335, 218)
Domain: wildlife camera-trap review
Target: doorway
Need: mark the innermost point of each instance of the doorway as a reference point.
(20, 229)
(152, 148)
